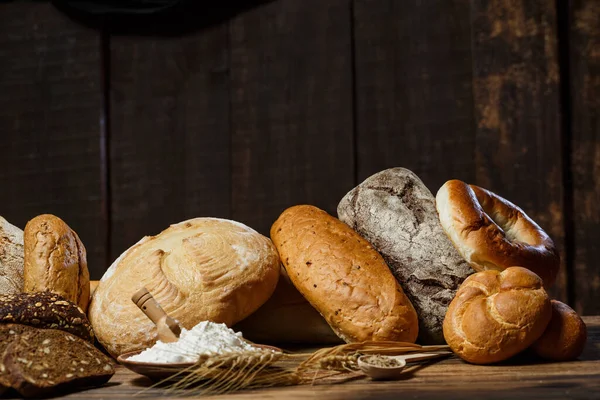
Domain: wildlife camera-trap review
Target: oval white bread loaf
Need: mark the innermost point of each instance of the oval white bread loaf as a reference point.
(11, 258)
(200, 269)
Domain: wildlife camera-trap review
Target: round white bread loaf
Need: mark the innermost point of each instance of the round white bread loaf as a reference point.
(492, 233)
(11, 258)
(200, 269)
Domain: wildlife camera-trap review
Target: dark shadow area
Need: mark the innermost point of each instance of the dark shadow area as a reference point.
(152, 18)
(58, 391)
(562, 23)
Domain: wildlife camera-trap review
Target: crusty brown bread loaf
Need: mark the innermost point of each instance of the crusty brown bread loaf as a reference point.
(396, 213)
(201, 269)
(565, 336)
(45, 310)
(11, 258)
(55, 260)
(287, 317)
(496, 315)
(343, 277)
(492, 233)
(41, 362)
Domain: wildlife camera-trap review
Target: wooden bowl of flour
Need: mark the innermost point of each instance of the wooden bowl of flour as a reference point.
(167, 371)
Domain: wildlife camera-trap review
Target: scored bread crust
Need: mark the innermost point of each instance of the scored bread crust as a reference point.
(197, 270)
(565, 336)
(55, 260)
(496, 315)
(343, 277)
(492, 233)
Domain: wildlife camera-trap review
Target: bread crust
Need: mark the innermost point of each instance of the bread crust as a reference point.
(197, 270)
(55, 260)
(11, 258)
(45, 310)
(496, 315)
(492, 233)
(343, 277)
(565, 336)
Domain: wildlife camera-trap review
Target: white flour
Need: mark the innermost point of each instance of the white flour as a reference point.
(206, 338)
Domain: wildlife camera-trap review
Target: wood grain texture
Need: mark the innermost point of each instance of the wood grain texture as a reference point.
(50, 123)
(291, 108)
(516, 81)
(585, 128)
(448, 379)
(169, 136)
(414, 100)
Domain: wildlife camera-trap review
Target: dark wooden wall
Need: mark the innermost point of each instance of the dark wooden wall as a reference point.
(296, 102)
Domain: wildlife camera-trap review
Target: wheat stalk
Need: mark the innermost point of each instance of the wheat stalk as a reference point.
(231, 372)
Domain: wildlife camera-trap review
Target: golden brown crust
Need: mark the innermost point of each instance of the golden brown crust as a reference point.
(343, 277)
(496, 315)
(55, 260)
(565, 336)
(492, 233)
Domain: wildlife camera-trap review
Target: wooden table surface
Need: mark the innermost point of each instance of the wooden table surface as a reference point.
(447, 379)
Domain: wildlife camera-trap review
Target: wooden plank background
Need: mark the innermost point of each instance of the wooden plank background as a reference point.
(289, 102)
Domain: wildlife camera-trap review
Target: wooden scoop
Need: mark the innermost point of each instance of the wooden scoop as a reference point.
(167, 328)
(390, 367)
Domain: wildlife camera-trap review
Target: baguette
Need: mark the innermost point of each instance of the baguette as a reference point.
(343, 277)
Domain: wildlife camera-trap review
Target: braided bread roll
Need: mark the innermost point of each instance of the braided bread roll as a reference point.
(496, 315)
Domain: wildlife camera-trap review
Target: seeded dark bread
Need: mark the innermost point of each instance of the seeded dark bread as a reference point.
(45, 310)
(8, 333)
(40, 362)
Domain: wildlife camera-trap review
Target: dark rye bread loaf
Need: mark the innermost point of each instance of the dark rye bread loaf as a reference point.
(45, 310)
(40, 362)
(8, 332)
(396, 213)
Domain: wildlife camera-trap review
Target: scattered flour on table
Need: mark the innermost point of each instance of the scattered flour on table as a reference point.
(206, 338)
